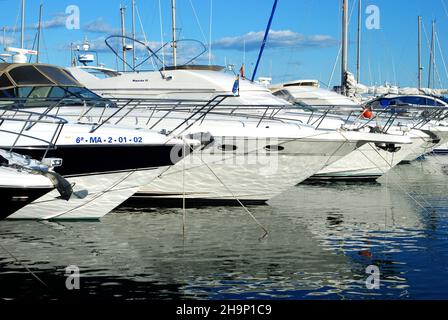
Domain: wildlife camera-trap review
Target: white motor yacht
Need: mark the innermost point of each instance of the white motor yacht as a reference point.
(248, 158)
(369, 162)
(105, 165)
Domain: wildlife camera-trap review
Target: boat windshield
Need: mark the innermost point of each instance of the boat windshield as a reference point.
(151, 57)
(34, 84)
(409, 100)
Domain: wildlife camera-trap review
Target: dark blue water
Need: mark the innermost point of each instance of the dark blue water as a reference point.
(321, 240)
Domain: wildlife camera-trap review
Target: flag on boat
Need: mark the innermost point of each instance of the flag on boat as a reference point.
(236, 86)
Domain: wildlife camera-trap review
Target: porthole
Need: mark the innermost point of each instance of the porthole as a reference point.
(227, 147)
(274, 148)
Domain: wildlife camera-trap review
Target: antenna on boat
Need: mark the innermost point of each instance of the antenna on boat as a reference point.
(133, 34)
(85, 55)
(358, 64)
(173, 10)
(123, 33)
(420, 68)
(39, 30)
(344, 46)
(20, 54)
(22, 30)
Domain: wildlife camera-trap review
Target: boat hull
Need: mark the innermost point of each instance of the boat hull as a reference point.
(94, 196)
(367, 163)
(208, 177)
(15, 198)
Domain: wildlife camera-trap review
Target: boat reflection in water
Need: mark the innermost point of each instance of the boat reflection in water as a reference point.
(315, 248)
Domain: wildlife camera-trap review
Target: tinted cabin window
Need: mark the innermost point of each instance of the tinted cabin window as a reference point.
(83, 92)
(384, 102)
(28, 75)
(7, 93)
(5, 82)
(419, 101)
(57, 92)
(24, 92)
(433, 103)
(39, 92)
(57, 75)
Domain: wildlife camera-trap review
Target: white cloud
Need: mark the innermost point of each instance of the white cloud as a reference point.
(277, 39)
(57, 21)
(7, 41)
(100, 26)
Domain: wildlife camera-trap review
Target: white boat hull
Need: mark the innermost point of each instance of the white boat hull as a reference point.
(367, 162)
(254, 177)
(99, 194)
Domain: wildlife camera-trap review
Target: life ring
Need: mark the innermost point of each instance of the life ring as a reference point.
(367, 113)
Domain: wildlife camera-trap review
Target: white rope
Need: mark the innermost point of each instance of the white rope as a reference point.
(334, 66)
(197, 21)
(24, 265)
(210, 34)
(266, 232)
(161, 34)
(144, 34)
(14, 30)
(444, 7)
(441, 54)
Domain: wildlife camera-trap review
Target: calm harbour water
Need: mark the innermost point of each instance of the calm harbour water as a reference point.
(321, 239)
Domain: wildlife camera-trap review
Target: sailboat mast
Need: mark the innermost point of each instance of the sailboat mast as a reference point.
(265, 39)
(123, 33)
(22, 30)
(210, 35)
(420, 68)
(133, 34)
(38, 33)
(173, 11)
(358, 64)
(431, 55)
(344, 66)
(4, 38)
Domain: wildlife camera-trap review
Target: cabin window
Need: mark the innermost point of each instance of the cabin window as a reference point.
(384, 102)
(57, 75)
(24, 92)
(57, 92)
(413, 100)
(5, 82)
(82, 92)
(39, 92)
(28, 75)
(7, 93)
(433, 103)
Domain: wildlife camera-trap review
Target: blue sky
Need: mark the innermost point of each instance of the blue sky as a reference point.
(304, 42)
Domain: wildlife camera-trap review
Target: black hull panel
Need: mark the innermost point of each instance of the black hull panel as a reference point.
(142, 201)
(13, 199)
(87, 160)
(358, 178)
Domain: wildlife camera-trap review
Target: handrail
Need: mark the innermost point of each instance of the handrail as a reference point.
(201, 108)
(29, 119)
